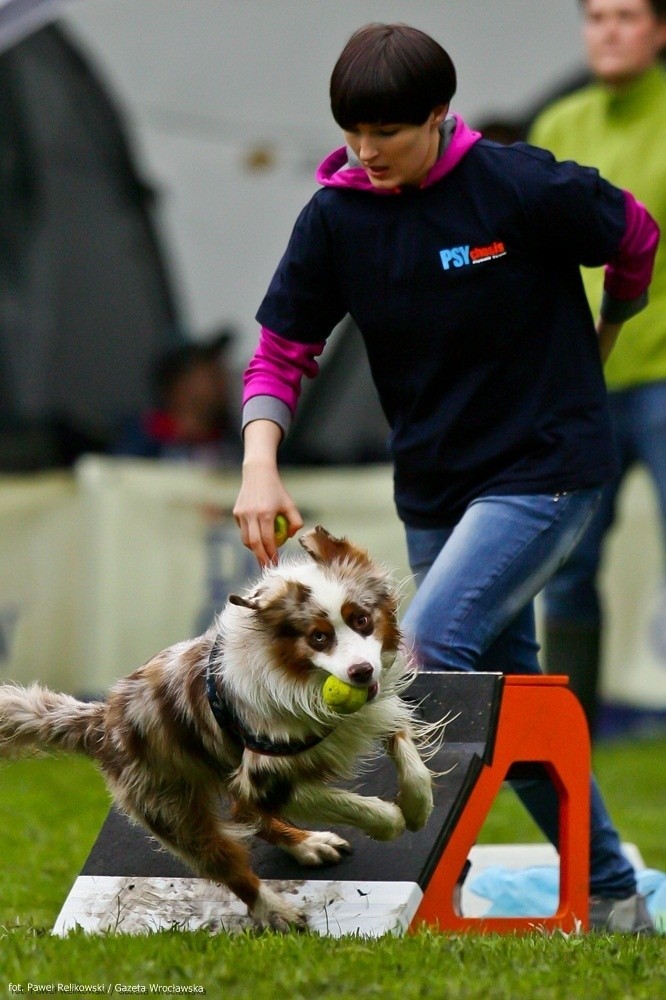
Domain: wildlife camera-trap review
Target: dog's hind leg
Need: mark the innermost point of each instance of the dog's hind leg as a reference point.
(308, 847)
(213, 851)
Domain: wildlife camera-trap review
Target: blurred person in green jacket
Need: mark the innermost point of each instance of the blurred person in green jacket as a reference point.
(617, 124)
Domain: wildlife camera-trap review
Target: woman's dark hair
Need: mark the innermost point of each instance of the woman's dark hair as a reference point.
(390, 73)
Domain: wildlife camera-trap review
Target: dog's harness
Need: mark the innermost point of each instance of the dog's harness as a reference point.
(228, 720)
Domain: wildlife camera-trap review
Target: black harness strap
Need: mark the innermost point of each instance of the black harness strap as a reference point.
(228, 720)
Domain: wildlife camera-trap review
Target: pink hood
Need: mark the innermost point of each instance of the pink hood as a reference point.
(335, 172)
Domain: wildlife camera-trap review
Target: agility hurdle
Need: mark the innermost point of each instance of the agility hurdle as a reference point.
(500, 726)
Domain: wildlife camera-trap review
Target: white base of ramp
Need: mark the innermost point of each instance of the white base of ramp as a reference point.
(107, 903)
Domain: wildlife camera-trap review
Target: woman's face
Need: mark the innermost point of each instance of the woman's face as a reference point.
(622, 37)
(396, 155)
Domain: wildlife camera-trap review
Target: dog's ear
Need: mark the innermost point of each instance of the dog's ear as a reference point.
(279, 607)
(244, 602)
(325, 549)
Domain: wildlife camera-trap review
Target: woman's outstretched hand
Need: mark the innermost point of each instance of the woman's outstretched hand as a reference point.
(262, 494)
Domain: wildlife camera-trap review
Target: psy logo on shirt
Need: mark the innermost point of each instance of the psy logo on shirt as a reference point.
(464, 255)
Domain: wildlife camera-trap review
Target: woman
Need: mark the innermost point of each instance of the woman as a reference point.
(459, 261)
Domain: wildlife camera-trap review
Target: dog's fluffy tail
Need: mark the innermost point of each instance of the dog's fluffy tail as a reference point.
(38, 719)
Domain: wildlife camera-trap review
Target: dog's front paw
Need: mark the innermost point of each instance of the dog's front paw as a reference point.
(320, 848)
(416, 803)
(416, 809)
(384, 821)
(271, 911)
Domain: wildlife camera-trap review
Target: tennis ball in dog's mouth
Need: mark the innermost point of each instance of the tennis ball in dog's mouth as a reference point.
(281, 529)
(342, 697)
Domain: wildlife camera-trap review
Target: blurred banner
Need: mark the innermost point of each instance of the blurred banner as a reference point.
(634, 658)
(100, 570)
(40, 574)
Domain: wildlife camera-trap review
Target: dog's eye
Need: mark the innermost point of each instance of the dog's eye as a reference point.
(319, 640)
(362, 623)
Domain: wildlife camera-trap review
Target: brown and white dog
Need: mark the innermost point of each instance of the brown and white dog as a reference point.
(238, 713)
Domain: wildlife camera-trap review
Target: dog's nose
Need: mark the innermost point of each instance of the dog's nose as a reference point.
(360, 673)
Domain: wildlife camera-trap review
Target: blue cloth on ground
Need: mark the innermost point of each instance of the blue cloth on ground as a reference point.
(525, 892)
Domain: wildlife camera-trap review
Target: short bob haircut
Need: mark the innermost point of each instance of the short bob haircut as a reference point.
(390, 74)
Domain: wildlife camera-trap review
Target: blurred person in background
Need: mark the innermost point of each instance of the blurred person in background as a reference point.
(195, 418)
(617, 124)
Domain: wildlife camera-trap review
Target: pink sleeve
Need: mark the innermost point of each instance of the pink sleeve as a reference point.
(628, 275)
(277, 367)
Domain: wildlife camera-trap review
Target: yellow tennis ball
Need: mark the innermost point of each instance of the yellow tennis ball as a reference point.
(342, 697)
(281, 529)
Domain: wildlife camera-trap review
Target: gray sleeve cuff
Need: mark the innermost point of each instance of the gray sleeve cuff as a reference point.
(620, 310)
(267, 408)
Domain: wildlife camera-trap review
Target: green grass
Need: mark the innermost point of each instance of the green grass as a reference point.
(425, 965)
(51, 811)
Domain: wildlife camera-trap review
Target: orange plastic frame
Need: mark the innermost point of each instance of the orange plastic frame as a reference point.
(540, 721)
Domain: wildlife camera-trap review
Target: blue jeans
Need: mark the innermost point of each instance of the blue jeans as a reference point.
(473, 611)
(638, 416)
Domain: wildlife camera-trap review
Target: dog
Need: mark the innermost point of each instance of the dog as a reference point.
(238, 714)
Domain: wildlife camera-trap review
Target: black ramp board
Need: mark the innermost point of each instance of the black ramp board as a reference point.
(472, 703)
